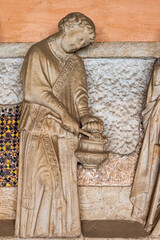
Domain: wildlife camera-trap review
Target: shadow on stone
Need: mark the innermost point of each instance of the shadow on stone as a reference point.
(7, 228)
(113, 229)
(93, 229)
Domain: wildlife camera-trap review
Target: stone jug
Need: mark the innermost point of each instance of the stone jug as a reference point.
(91, 149)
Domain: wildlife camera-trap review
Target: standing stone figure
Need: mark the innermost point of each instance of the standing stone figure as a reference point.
(55, 106)
(145, 194)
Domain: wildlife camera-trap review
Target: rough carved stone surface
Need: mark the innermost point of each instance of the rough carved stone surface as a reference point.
(117, 89)
(118, 171)
(10, 86)
(118, 106)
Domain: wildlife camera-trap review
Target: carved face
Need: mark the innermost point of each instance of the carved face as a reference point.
(74, 39)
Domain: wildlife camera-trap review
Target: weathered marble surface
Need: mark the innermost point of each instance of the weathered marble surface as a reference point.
(8, 202)
(12, 50)
(95, 203)
(105, 203)
(10, 86)
(99, 49)
(122, 49)
(116, 93)
(117, 90)
(118, 171)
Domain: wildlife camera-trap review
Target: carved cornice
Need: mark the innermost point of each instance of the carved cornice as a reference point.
(95, 50)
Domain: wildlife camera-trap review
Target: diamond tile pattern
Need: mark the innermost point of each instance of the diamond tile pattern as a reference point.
(9, 144)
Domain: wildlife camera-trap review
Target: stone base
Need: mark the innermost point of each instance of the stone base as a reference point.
(116, 229)
(113, 229)
(7, 228)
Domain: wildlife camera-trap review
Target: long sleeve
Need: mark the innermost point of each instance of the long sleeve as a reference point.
(81, 91)
(37, 88)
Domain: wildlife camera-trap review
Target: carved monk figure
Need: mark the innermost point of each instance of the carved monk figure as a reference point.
(145, 194)
(55, 107)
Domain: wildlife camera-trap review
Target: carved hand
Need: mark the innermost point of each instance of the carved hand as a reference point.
(69, 123)
(92, 123)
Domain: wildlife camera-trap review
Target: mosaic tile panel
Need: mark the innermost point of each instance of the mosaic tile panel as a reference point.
(9, 145)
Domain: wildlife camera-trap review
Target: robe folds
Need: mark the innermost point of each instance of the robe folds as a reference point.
(47, 188)
(145, 194)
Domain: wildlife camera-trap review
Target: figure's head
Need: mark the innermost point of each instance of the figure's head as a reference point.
(79, 31)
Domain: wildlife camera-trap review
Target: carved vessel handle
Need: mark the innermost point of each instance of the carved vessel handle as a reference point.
(85, 133)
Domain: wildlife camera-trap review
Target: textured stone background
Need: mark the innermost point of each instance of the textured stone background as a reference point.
(10, 86)
(117, 171)
(117, 89)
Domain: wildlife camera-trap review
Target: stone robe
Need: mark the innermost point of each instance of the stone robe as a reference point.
(145, 194)
(47, 189)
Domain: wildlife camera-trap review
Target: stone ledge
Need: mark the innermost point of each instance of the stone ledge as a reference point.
(113, 229)
(104, 49)
(9, 50)
(96, 203)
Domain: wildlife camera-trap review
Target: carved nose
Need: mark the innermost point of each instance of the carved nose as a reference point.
(78, 45)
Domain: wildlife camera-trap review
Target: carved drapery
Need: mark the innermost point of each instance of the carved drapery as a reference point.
(145, 194)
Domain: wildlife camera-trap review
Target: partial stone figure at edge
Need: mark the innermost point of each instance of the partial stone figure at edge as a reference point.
(145, 194)
(55, 106)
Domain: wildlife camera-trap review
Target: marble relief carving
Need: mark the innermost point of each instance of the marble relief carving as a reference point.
(58, 129)
(55, 110)
(108, 104)
(145, 194)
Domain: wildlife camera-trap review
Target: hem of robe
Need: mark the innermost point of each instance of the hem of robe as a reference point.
(18, 233)
(156, 230)
(138, 209)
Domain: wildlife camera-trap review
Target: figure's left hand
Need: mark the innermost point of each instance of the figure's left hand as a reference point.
(92, 124)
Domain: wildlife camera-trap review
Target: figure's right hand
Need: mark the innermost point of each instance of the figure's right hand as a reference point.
(69, 123)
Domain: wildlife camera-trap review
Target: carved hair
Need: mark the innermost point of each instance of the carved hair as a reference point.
(78, 19)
